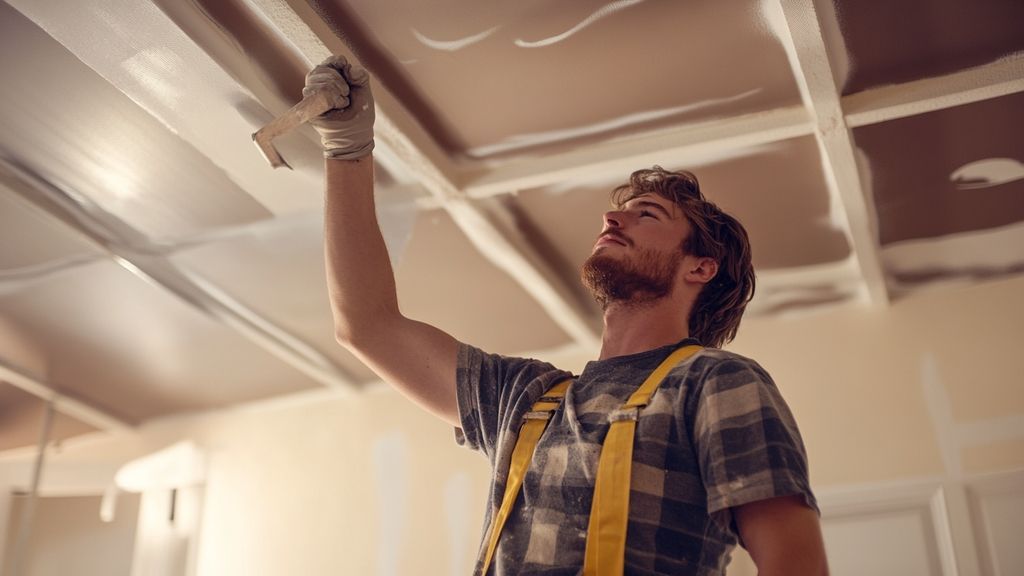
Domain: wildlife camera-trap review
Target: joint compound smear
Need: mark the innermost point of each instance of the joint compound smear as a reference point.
(452, 45)
(537, 138)
(606, 10)
(987, 173)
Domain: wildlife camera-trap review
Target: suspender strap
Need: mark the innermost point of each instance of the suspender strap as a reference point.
(609, 513)
(534, 423)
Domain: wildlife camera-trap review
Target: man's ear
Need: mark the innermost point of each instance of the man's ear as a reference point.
(701, 270)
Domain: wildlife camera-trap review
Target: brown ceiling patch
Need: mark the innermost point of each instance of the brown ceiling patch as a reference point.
(505, 77)
(896, 42)
(946, 172)
(778, 192)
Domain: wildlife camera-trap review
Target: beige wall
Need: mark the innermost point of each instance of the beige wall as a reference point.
(369, 484)
(69, 538)
(931, 385)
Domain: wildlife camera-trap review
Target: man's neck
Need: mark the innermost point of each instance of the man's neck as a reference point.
(631, 328)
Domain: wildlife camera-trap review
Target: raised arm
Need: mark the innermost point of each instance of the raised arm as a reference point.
(417, 358)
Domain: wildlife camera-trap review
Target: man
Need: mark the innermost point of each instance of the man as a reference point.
(717, 458)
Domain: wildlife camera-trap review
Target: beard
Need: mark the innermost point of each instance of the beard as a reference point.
(648, 277)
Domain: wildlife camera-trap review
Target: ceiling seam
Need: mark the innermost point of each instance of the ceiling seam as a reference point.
(677, 145)
(813, 72)
(1000, 78)
(160, 272)
(82, 411)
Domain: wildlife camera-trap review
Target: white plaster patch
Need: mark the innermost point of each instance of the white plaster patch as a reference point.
(602, 12)
(391, 472)
(987, 173)
(941, 414)
(397, 211)
(993, 248)
(536, 138)
(835, 43)
(154, 69)
(452, 45)
(774, 21)
(953, 437)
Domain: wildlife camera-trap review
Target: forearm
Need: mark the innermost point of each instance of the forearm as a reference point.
(361, 283)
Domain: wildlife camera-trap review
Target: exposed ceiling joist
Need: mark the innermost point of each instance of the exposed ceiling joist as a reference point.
(75, 408)
(134, 254)
(1000, 78)
(403, 139)
(813, 71)
(686, 144)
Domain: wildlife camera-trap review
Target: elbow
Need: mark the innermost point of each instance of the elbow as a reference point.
(356, 332)
(348, 331)
(344, 335)
(351, 335)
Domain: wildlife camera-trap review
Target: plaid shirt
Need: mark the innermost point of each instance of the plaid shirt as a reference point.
(716, 434)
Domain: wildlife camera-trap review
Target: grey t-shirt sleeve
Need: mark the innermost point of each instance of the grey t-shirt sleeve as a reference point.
(746, 439)
(493, 392)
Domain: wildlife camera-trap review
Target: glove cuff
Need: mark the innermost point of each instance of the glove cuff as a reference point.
(348, 154)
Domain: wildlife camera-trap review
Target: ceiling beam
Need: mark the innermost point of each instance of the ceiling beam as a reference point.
(404, 140)
(77, 409)
(809, 58)
(132, 252)
(1000, 78)
(680, 145)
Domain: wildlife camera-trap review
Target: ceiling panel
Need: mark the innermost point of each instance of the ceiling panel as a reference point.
(29, 238)
(279, 273)
(495, 78)
(444, 281)
(128, 347)
(22, 416)
(896, 42)
(62, 121)
(777, 191)
(964, 164)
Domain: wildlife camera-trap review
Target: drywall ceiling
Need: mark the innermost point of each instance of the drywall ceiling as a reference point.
(151, 263)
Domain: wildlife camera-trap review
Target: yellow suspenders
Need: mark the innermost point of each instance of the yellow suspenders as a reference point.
(609, 513)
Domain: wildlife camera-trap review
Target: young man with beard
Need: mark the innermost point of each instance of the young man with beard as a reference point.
(716, 459)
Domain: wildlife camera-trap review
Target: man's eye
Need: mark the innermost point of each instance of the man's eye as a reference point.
(646, 213)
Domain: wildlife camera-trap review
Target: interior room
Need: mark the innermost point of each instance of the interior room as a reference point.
(173, 399)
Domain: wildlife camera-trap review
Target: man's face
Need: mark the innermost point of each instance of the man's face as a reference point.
(637, 256)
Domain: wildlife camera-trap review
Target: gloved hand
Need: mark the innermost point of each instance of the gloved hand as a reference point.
(346, 131)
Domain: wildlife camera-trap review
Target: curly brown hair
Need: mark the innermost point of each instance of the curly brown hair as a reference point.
(716, 314)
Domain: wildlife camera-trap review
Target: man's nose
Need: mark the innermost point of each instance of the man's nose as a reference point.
(614, 219)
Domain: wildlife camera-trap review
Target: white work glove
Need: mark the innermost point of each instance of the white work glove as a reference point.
(346, 131)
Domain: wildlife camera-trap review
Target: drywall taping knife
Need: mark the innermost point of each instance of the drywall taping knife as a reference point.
(309, 107)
